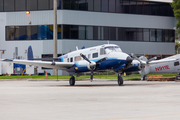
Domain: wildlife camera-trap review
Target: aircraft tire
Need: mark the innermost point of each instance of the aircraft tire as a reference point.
(72, 81)
(120, 80)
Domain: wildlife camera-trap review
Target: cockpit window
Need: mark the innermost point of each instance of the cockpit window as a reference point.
(112, 49)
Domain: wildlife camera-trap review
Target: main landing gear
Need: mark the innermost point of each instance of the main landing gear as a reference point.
(72, 81)
(120, 79)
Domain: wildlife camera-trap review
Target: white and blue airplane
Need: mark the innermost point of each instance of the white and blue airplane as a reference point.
(107, 57)
(100, 58)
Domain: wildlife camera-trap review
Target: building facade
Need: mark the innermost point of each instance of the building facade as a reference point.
(139, 27)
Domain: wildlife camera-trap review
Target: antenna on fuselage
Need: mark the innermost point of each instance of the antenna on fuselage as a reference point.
(108, 42)
(76, 47)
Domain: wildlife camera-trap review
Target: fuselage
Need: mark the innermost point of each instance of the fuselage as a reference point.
(115, 58)
(166, 67)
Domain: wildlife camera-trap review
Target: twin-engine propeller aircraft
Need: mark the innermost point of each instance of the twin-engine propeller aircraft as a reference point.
(94, 59)
(166, 65)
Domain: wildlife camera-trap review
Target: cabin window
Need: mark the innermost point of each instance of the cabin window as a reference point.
(102, 51)
(89, 56)
(78, 58)
(95, 55)
(176, 63)
(68, 60)
(71, 60)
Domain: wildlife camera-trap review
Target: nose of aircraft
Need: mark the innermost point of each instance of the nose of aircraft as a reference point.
(129, 59)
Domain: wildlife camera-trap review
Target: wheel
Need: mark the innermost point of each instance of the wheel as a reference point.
(72, 81)
(144, 77)
(120, 80)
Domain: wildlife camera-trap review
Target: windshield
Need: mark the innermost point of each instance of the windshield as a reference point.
(112, 49)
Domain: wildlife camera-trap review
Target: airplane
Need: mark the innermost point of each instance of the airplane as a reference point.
(166, 65)
(100, 58)
(107, 57)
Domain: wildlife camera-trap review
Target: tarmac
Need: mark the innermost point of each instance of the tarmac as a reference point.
(97, 100)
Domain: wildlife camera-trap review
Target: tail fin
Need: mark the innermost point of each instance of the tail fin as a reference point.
(30, 53)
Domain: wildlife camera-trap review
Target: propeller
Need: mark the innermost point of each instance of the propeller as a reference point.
(143, 64)
(93, 65)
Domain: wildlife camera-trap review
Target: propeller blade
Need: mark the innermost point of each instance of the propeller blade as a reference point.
(91, 75)
(84, 57)
(101, 60)
(154, 58)
(134, 56)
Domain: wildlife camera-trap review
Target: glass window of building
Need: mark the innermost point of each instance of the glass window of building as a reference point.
(89, 5)
(43, 4)
(89, 32)
(51, 4)
(74, 4)
(58, 4)
(31, 4)
(1, 5)
(132, 34)
(153, 8)
(96, 33)
(119, 6)
(74, 31)
(8, 5)
(10, 33)
(32, 32)
(43, 32)
(66, 4)
(20, 33)
(153, 35)
(58, 31)
(66, 31)
(158, 9)
(133, 7)
(146, 8)
(139, 34)
(171, 35)
(104, 5)
(125, 32)
(140, 7)
(159, 35)
(82, 32)
(97, 5)
(146, 35)
(112, 33)
(120, 32)
(105, 33)
(20, 5)
(125, 6)
(112, 4)
(82, 5)
(165, 35)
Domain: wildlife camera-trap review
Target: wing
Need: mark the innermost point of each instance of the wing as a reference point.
(56, 65)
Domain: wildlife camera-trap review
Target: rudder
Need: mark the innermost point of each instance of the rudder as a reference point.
(30, 53)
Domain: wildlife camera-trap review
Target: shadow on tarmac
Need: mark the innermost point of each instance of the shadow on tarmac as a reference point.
(102, 85)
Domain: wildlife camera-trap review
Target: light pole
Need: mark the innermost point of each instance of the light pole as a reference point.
(55, 35)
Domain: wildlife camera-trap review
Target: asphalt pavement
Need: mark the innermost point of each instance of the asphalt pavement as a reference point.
(98, 100)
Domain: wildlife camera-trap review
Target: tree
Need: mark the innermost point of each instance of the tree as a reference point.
(176, 8)
(177, 45)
